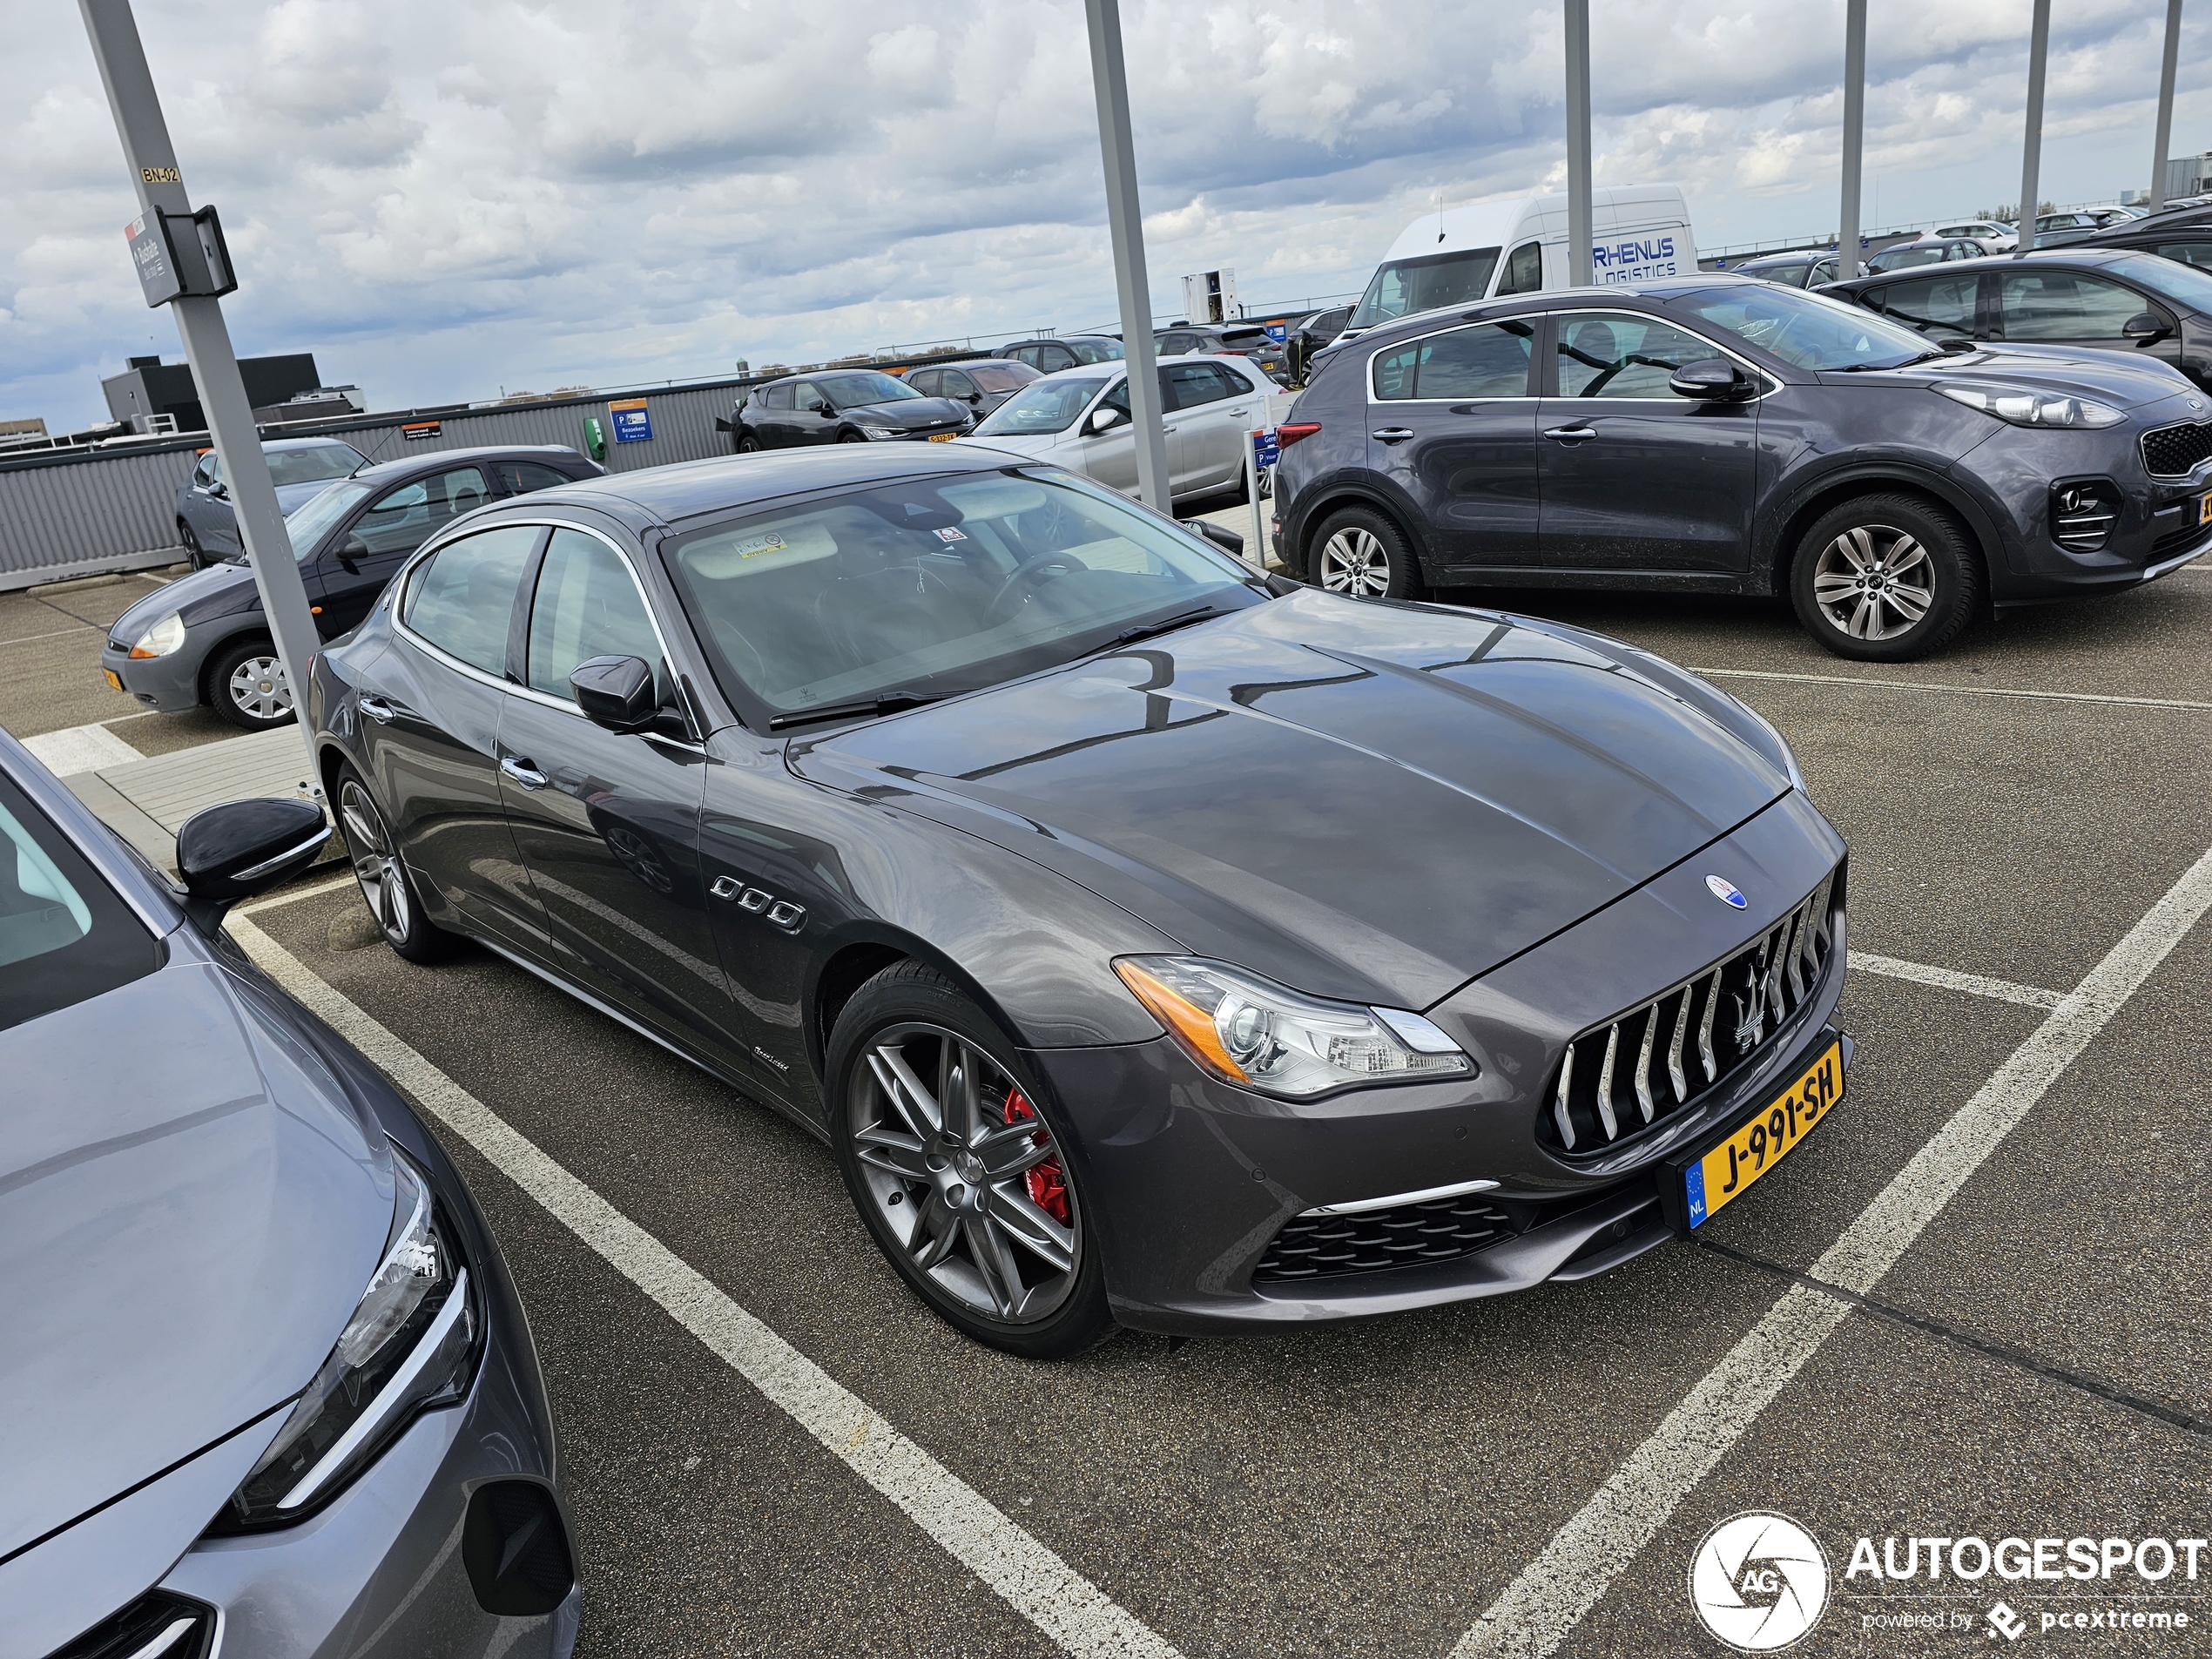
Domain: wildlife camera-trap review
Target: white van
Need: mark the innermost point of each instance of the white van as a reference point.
(1465, 255)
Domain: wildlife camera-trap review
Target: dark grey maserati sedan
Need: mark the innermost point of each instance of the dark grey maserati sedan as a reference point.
(1152, 942)
(265, 1387)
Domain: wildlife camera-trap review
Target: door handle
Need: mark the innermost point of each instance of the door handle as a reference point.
(1392, 434)
(1570, 434)
(376, 709)
(522, 773)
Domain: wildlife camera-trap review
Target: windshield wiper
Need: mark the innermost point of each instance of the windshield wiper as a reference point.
(1869, 368)
(1146, 630)
(891, 703)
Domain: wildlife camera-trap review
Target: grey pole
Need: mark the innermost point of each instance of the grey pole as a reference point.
(2032, 157)
(2166, 104)
(1854, 136)
(1578, 143)
(152, 161)
(1123, 219)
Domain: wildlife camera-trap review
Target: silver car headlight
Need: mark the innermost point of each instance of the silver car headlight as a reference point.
(881, 431)
(159, 640)
(2036, 408)
(1250, 1031)
(411, 1343)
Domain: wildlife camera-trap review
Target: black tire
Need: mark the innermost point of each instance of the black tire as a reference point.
(1358, 552)
(195, 555)
(387, 887)
(1886, 578)
(851, 437)
(747, 444)
(914, 1011)
(243, 682)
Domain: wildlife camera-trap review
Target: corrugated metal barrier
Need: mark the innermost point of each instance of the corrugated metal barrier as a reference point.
(66, 515)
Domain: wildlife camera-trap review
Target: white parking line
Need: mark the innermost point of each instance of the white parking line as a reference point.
(1541, 1607)
(2003, 990)
(24, 639)
(289, 895)
(80, 748)
(1067, 1607)
(1935, 685)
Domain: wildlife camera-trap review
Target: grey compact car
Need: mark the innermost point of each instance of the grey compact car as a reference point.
(265, 1389)
(302, 468)
(204, 638)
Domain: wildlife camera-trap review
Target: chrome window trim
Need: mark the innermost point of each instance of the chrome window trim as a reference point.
(500, 681)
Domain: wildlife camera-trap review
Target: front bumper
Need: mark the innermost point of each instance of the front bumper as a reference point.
(1189, 1181)
(169, 683)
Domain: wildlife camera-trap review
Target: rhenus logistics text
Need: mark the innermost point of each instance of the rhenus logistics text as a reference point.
(1634, 259)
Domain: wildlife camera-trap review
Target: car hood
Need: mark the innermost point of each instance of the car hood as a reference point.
(202, 595)
(187, 1220)
(2074, 371)
(908, 414)
(1370, 801)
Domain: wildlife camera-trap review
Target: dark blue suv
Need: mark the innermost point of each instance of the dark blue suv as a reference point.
(1715, 434)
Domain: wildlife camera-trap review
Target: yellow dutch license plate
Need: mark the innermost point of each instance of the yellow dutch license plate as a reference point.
(942, 437)
(1719, 1178)
(2204, 509)
(113, 678)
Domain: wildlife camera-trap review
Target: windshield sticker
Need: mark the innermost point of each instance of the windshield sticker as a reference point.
(948, 534)
(760, 544)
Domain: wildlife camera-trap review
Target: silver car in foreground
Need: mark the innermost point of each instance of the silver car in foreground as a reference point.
(266, 1388)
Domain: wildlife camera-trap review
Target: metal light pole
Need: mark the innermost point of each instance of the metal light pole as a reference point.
(2031, 158)
(1854, 135)
(1110, 78)
(166, 216)
(2166, 104)
(1578, 143)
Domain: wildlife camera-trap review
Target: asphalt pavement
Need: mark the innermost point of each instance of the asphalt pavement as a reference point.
(1971, 1304)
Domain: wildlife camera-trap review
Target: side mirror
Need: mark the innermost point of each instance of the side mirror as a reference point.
(219, 490)
(975, 397)
(1106, 420)
(244, 847)
(351, 549)
(1222, 536)
(2145, 328)
(828, 411)
(1712, 380)
(616, 692)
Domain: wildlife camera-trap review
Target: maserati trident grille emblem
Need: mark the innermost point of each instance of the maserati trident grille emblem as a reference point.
(1727, 891)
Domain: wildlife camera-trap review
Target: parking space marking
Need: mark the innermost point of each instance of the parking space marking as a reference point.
(1965, 691)
(1067, 1607)
(2003, 990)
(59, 633)
(1550, 1596)
(80, 748)
(293, 895)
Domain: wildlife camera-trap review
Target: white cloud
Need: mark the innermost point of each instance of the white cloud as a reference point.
(439, 197)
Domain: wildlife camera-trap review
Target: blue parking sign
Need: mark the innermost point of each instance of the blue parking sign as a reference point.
(1265, 449)
(633, 422)
(1279, 330)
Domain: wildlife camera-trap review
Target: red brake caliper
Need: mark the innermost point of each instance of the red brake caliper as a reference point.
(1048, 1181)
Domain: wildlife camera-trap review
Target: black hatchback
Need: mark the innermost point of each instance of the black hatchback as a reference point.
(1719, 434)
(2127, 300)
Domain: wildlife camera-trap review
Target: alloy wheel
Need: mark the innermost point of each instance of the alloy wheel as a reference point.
(257, 687)
(1874, 581)
(1354, 561)
(964, 1174)
(377, 864)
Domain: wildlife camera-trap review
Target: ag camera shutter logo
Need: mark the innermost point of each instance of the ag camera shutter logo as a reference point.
(1759, 1582)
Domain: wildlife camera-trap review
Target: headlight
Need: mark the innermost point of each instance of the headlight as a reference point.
(2034, 408)
(1246, 1030)
(411, 1343)
(160, 640)
(881, 431)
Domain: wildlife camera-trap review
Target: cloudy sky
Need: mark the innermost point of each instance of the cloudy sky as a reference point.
(442, 198)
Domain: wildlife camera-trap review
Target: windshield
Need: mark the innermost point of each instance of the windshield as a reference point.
(1039, 408)
(932, 587)
(1406, 286)
(854, 391)
(311, 466)
(1810, 330)
(308, 523)
(2187, 285)
(1095, 351)
(1002, 377)
(65, 935)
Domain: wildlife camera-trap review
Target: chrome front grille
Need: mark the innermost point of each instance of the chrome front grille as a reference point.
(1619, 1078)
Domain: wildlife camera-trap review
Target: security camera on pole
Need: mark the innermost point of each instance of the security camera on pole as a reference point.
(183, 263)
